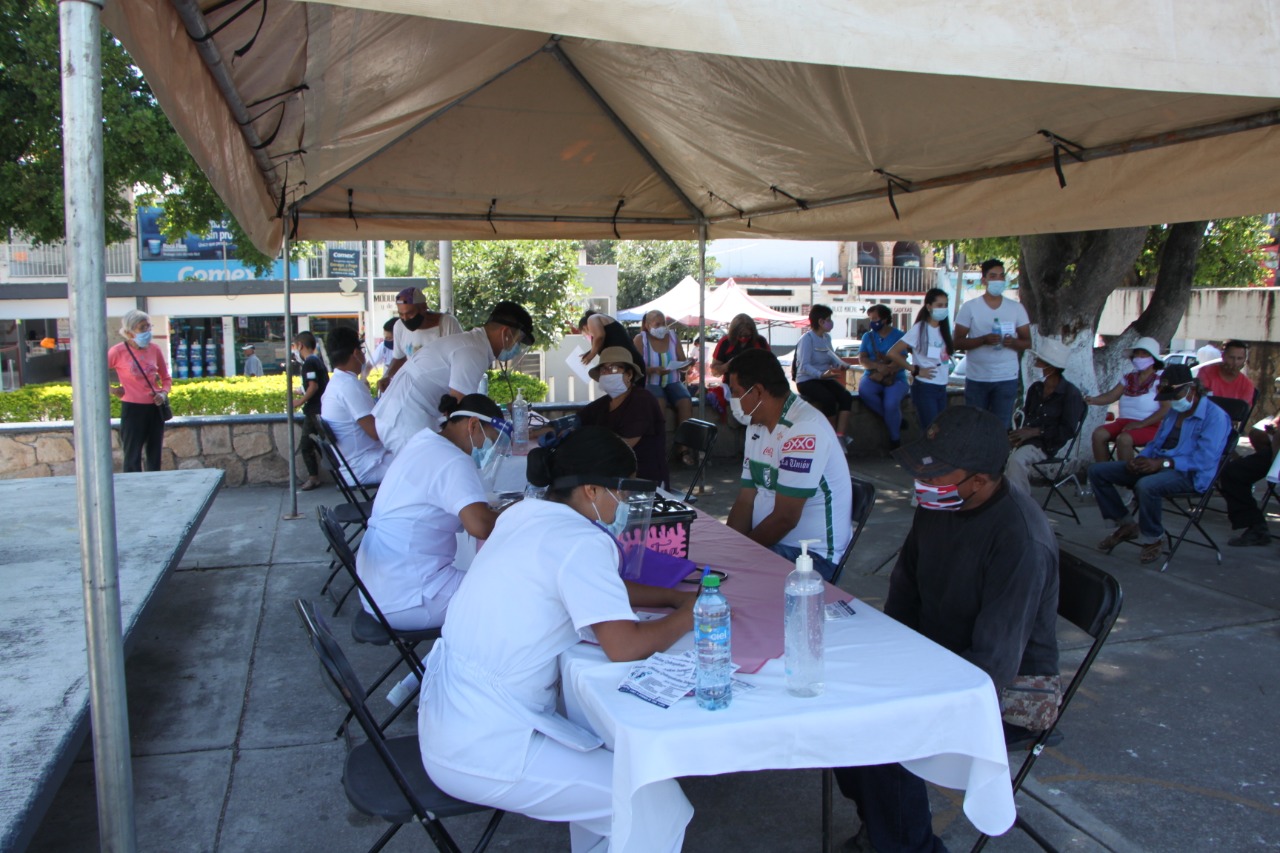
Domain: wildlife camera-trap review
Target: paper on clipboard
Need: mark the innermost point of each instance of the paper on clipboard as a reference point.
(577, 368)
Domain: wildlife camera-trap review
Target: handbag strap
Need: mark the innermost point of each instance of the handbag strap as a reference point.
(145, 377)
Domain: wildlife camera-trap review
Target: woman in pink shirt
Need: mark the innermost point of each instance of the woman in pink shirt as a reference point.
(144, 386)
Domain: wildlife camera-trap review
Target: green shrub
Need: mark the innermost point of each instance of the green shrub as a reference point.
(535, 390)
(233, 395)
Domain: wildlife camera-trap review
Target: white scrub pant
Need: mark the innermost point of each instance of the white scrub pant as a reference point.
(1018, 471)
(559, 784)
(431, 612)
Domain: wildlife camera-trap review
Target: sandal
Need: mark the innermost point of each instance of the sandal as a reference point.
(689, 459)
(1151, 552)
(309, 485)
(1121, 534)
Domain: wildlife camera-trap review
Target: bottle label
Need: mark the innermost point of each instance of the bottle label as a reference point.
(713, 632)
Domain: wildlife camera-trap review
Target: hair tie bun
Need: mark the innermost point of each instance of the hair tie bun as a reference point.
(538, 467)
(448, 403)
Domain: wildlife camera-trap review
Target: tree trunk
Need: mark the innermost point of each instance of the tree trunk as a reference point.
(412, 245)
(1066, 279)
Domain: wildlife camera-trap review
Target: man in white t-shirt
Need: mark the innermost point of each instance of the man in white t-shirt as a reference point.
(795, 479)
(1208, 352)
(347, 407)
(417, 327)
(453, 365)
(993, 331)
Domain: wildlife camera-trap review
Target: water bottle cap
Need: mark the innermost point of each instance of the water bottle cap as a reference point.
(711, 582)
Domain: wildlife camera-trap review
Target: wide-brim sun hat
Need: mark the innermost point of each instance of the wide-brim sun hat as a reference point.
(1151, 345)
(1052, 352)
(613, 355)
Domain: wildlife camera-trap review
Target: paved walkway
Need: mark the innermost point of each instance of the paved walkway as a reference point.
(1170, 746)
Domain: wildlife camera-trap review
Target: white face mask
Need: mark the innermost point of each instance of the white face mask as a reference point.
(1142, 362)
(659, 332)
(614, 384)
(742, 417)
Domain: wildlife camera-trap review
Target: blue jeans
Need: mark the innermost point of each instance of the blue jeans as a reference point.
(885, 401)
(1150, 490)
(893, 804)
(821, 564)
(996, 397)
(930, 401)
(672, 392)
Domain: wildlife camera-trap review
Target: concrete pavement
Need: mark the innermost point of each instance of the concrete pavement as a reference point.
(1170, 745)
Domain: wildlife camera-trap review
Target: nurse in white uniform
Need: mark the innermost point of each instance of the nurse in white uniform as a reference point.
(431, 490)
(487, 720)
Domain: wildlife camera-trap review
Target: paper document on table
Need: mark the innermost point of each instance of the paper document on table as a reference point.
(664, 679)
(838, 610)
(577, 368)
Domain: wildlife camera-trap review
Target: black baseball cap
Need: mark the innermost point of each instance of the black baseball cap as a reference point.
(513, 314)
(962, 437)
(1172, 380)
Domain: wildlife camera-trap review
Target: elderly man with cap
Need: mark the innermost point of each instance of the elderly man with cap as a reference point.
(453, 365)
(978, 574)
(417, 327)
(631, 411)
(1181, 458)
(1052, 411)
(252, 364)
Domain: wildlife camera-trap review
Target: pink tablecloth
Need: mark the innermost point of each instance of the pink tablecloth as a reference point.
(754, 588)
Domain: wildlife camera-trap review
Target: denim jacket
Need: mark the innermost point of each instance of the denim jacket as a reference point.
(1203, 438)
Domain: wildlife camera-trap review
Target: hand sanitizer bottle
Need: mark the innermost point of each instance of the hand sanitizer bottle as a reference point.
(804, 626)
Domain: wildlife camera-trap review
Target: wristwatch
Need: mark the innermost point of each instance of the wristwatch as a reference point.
(1166, 463)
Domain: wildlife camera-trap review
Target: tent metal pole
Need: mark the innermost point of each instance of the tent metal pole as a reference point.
(446, 276)
(83, 186)
(288, 380)
(702, 318)
(371, 327)
(419, 216)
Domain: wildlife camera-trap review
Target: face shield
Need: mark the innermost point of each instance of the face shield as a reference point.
(630, 525)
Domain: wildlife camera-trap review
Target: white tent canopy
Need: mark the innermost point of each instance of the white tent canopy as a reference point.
(754, 118)
(730, 299)
(676, 302)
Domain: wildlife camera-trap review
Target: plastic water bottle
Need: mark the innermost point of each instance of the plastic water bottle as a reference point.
(999, 330)
(712, 637)
(804, 623)
(520, 422)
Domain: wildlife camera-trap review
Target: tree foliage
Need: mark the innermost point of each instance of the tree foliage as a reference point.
(541, 275)
(425, 262)
(647, 268)
(139, 144)
(1231, 256)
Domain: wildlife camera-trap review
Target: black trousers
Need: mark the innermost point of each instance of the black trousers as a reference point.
(310, 450)
(141, 427)
(826, 395)
(1236, 485)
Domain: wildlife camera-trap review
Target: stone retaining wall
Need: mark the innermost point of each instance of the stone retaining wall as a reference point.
(249, 448)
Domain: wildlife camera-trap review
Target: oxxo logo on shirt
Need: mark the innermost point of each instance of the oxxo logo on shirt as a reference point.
(800, 444)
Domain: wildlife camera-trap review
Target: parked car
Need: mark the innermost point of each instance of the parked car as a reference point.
(1187, 357)
(956, 379)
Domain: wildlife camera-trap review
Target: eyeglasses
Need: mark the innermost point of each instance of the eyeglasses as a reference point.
(614, 368)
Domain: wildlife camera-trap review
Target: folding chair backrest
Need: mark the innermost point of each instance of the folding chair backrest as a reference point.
(335, 664)
(332, 530)
(341, 473)
(699, 436)
(1237, 410)
(864, 499)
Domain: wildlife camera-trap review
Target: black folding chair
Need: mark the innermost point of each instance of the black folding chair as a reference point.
(384, 777)
(351, 516)
(864, 498)
(1266, 498)
(1055, 469)
(1090, 599)
(1197, 502)
(699, 436)
(374, 629)
(366, 490)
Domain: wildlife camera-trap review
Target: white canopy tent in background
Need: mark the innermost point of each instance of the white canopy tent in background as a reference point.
(674, 303)
(756, 118)
(681, 304)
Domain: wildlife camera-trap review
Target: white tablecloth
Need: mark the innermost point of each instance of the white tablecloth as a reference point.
(891, 696)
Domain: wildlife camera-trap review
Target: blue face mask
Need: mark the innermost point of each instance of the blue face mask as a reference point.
(619, 517)
(512, 352)
(940, 314)
(876, 325)
(142, 339)
(996, 286)
(482, 454)
(389, 344)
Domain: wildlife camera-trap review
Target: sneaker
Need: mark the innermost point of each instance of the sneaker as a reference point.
(1256, 535)
(1084, 492)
